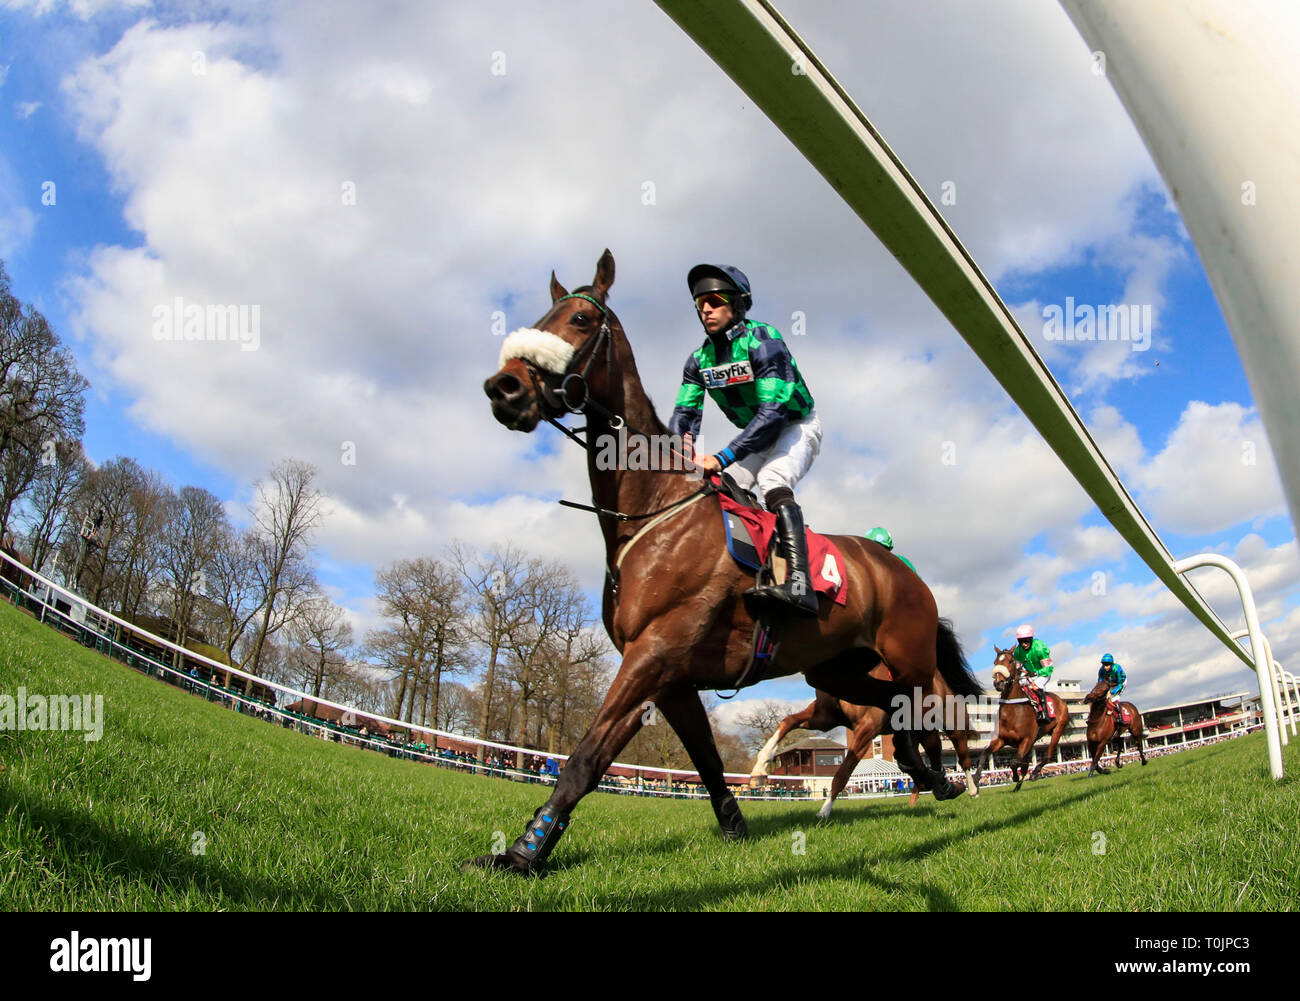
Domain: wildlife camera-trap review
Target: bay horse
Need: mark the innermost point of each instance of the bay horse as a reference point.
(864, 723)
(1018, 724)
(672, 600)
(1102, 727)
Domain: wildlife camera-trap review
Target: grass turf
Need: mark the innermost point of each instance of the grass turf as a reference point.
(289, 822)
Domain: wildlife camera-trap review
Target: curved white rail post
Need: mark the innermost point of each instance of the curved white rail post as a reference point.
(1211, 86)
(1262, 660)
(1275, 678)
(1292, 695)
(754, 45)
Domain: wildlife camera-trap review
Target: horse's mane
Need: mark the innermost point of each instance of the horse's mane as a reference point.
(659, 426)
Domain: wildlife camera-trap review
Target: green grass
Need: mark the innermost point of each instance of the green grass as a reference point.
(292, 823)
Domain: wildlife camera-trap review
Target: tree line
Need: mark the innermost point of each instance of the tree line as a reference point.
(500, 645)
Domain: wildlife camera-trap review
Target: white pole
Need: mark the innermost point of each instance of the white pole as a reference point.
(1263, 662)
(1212, 87)
(1288, 686)
(1274, 677)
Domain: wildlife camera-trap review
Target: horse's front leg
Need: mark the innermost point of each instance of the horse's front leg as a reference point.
(639, 681)
(684, 711)
(990, 749)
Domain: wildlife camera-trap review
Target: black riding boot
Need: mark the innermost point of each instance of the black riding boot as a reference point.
(796, 594)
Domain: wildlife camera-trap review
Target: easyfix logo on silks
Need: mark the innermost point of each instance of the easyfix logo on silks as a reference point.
(727, 375)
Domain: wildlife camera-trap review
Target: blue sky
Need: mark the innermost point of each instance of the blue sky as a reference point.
(223, 186)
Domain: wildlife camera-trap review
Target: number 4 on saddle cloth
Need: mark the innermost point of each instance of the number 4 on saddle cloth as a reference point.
(749, 540)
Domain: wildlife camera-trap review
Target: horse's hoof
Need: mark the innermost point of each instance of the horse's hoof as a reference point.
(507, 861)
(949, 790)
(731, 820)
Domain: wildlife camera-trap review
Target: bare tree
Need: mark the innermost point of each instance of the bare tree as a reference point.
(499, 608)
(42, 395)
(194, 529)
(48, 501)
(286, 512)
(423, 599)
(100, 518)
(458, 708)
(231, 602)
(319, 637)
(149, 503)
(759, 721)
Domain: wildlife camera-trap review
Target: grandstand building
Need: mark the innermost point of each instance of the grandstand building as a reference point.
(1166, 726)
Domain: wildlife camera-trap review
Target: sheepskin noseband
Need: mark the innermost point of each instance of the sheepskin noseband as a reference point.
(547, 351)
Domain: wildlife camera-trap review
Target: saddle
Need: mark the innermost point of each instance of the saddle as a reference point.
(750, 531)
(1044, 708)
(1121, 715)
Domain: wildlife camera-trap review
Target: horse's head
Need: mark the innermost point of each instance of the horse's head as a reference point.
(1004, 669)
(548, 369)
(1099, 691)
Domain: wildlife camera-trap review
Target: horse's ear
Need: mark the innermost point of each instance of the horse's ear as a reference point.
(604, 274)
(558, 291)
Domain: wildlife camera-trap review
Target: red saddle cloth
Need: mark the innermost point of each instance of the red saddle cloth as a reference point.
(1122, 715)
(825, 562)
(1044, 706)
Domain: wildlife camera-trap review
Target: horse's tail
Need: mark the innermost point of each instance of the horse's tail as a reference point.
(952, 662)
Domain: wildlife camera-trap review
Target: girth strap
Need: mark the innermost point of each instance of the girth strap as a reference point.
(671, 512)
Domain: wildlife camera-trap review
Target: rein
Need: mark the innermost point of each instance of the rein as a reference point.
(580, 401)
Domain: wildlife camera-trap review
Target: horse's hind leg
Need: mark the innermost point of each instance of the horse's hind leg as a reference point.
(823, 714)
(840, 780)
(1062, 722)
(934, 751)
(962, 747)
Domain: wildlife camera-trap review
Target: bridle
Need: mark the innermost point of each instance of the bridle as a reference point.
(574, 395)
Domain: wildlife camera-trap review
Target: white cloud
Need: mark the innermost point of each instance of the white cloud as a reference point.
(82, 9)
(470, 186)
(1216, 470)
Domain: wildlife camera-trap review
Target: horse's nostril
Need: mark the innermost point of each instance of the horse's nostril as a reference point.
(502, 387)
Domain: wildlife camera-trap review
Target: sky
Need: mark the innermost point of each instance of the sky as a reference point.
(385, 188)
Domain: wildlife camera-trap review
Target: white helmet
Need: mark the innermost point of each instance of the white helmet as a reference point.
(1025, 632)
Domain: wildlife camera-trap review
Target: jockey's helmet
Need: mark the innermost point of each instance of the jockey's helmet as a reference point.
(1025, 632)
(1107, 659)
(882, 536)
(721, 278)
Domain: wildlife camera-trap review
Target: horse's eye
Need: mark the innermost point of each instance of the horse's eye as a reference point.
(579, 318)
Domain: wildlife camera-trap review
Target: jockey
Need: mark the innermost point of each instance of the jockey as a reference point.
(1113, 675)
(748, 370)
(1032, 655)
(881, 535)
